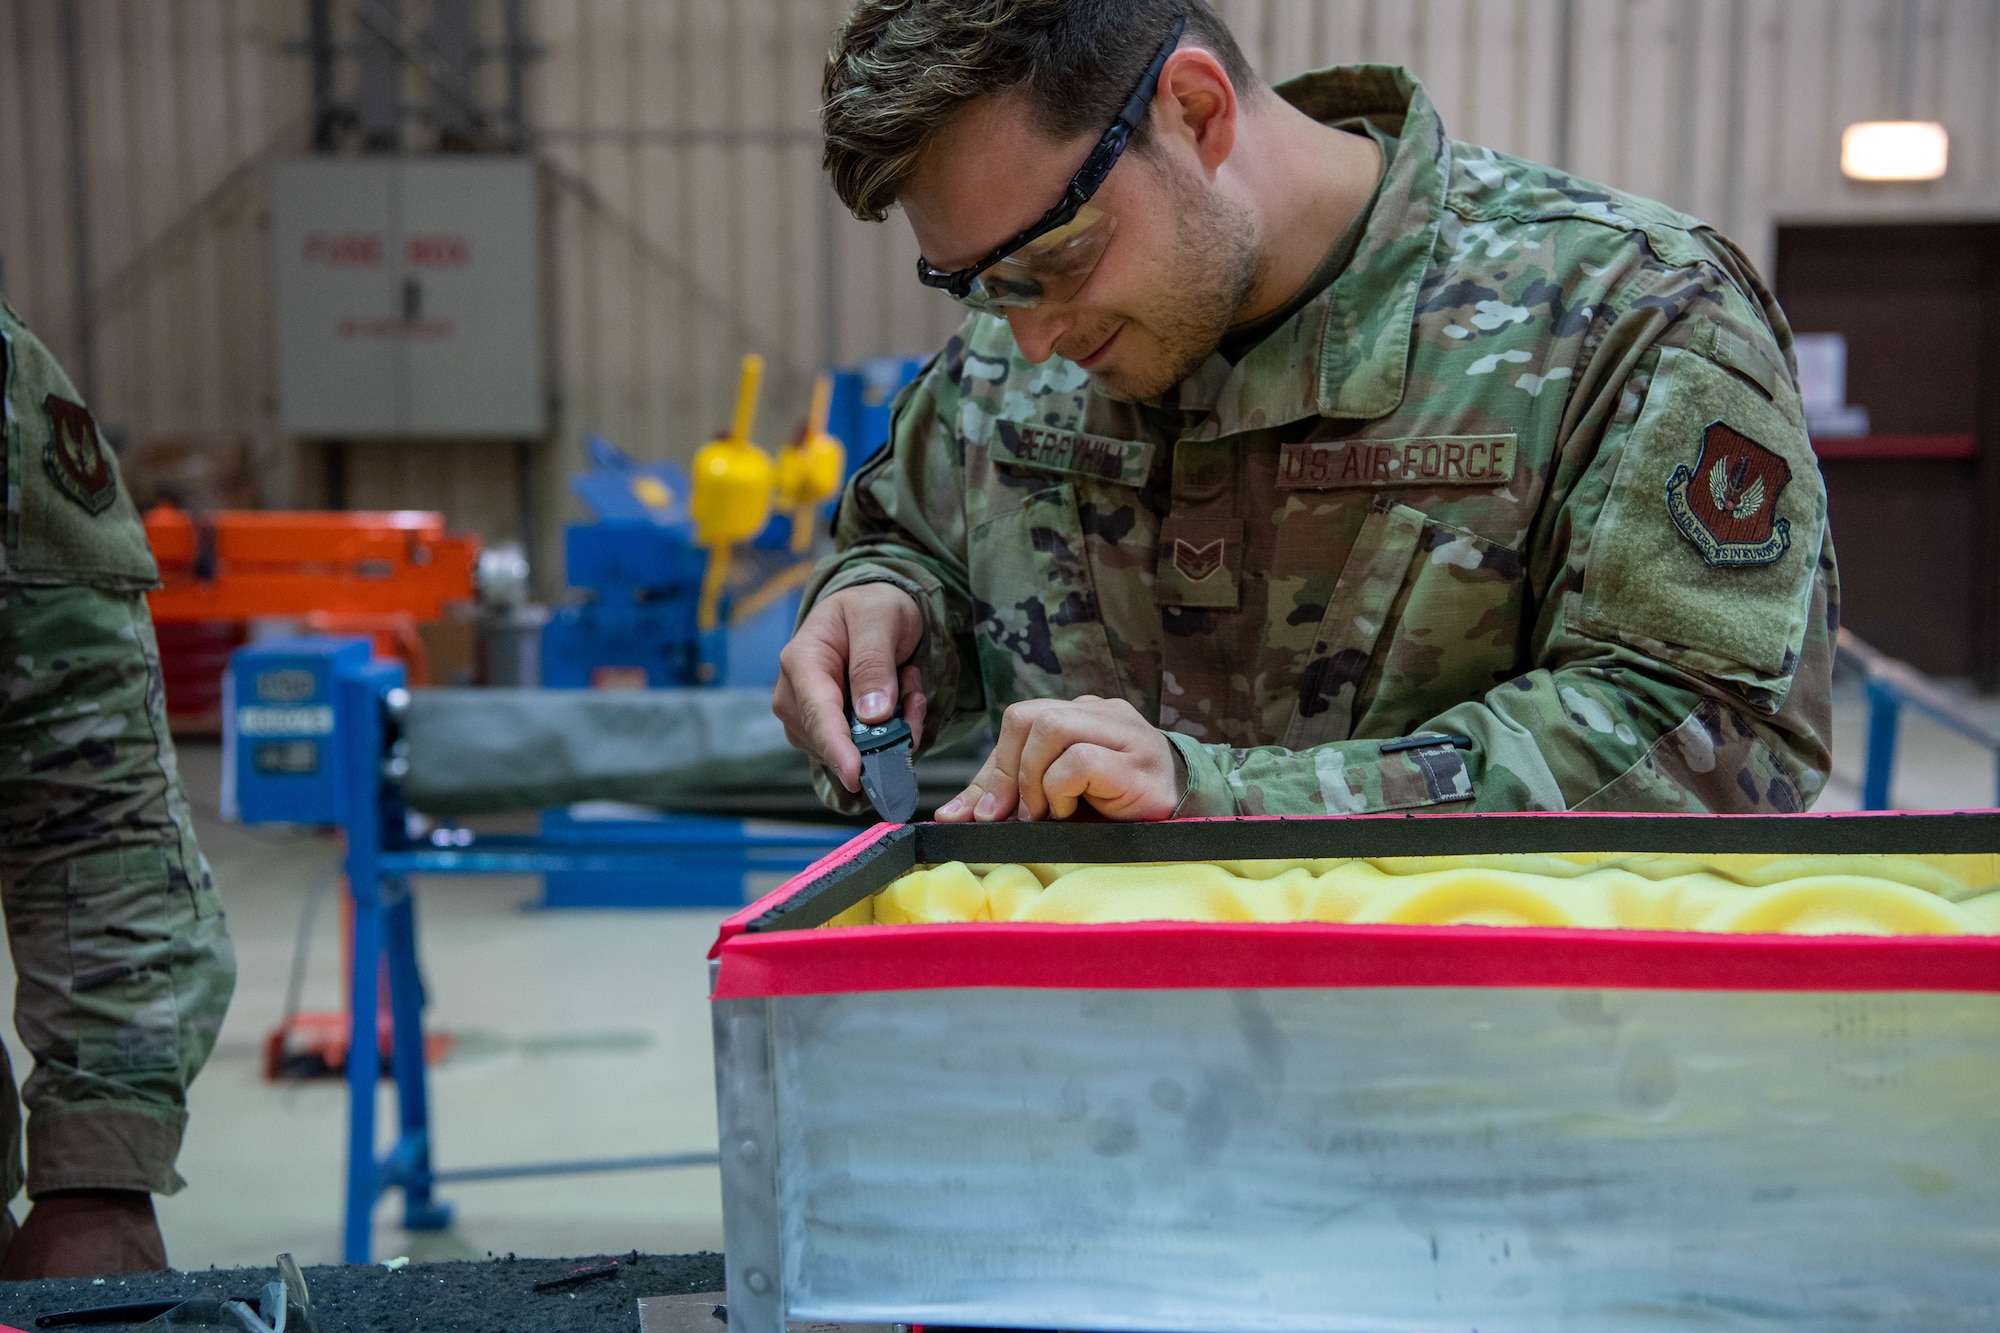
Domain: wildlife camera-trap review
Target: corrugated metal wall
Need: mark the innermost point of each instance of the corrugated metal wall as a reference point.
(687, 221)
(691, 222)
(177, 101)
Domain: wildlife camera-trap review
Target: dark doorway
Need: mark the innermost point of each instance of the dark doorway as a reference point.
(1914, 503)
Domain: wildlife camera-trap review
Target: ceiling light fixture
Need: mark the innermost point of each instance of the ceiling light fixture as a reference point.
(1893, 150)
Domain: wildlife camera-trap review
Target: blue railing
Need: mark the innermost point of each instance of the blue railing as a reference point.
(1893, 686)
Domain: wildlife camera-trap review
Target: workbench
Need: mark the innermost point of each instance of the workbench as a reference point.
(465, 1297)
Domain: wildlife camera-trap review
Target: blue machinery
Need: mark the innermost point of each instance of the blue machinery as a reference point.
(1893, 686)
(312, 738)
(638, 568)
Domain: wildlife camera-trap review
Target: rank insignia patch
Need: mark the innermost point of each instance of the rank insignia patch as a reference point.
(1200, 562)
(75, 456)
(1727, 502)
(1196, 563)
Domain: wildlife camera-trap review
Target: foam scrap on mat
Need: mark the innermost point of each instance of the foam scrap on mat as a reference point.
(1801, 895)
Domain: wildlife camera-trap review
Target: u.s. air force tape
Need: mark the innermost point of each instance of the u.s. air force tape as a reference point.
(1046, 449)
(1435, 460)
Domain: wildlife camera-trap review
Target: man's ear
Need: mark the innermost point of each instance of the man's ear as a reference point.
(1197, 104)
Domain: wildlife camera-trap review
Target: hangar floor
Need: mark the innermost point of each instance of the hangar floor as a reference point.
(578, 1035)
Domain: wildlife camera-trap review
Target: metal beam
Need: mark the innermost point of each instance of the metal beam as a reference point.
(378, 92)
(320, 50)
(1563, 86)
(514, 17)
(82, 284)
(451, 37)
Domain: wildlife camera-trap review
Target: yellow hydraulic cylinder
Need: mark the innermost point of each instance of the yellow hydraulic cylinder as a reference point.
(809, 472)
(732, 491)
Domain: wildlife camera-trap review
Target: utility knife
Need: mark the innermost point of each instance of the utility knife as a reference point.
(887, 774)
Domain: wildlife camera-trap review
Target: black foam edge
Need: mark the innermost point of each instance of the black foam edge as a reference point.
(873, 868)
(1884, 834)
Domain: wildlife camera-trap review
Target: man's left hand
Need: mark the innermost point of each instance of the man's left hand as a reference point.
(1054, 752)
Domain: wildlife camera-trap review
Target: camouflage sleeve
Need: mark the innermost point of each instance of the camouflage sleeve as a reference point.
(902, 521)
(116, 929)
(1682, 646)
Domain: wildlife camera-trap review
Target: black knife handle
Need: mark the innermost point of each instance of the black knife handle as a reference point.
(879, 736)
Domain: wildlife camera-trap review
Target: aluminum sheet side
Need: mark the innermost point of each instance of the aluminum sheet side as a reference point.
(1276, 1161)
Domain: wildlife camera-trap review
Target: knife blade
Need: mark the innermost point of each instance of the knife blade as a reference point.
(887, 772)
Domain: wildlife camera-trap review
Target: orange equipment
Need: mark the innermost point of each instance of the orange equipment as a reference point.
(375, 573)
(248, 564)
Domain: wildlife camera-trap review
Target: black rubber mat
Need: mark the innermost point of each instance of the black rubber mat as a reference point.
(486, 1296)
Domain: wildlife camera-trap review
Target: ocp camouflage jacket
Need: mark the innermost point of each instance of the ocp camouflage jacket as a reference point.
(1531, 474)
(123, 963)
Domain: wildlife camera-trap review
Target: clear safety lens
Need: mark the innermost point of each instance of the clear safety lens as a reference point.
(1052, 267)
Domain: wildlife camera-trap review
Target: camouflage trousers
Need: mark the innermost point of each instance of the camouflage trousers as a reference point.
(124, 964)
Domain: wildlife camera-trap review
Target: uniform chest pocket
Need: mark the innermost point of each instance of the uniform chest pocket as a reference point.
(1423, 616)
(1039, 628)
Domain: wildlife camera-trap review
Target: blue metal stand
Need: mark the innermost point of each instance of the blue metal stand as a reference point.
(712, 854)
(385, 940)
(380, 858)
(1893, 686)
(1884, 709)
(311, 738)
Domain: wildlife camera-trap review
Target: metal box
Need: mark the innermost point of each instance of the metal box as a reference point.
(408, 297)
(1233, 1128)
(280, 761)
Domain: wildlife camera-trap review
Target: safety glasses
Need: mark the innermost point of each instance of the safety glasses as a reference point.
(1052, 259)
(285, 1306)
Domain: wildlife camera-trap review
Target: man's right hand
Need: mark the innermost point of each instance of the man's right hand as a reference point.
(850, 646)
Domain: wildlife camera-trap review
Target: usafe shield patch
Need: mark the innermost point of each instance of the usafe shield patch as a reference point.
(1727, 503)
(1046, 449)
(1434, 460)
(75, 456)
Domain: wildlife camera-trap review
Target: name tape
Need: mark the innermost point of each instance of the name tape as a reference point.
(1440, 460)
(1045, 449)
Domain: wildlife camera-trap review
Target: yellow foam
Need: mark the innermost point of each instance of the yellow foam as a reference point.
(1807, 895)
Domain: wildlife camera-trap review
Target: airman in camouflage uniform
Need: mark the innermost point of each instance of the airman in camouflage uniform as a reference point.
(117, 933)
(1530, 479)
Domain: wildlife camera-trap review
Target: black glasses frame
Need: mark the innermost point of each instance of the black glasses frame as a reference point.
(1081, 186)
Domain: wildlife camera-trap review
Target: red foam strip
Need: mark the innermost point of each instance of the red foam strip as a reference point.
(840, 855)
(1173, 954)
(1168, 955)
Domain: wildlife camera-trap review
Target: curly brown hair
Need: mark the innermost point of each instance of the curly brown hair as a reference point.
(900, 69)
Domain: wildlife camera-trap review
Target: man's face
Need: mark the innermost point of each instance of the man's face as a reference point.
(1168, 284)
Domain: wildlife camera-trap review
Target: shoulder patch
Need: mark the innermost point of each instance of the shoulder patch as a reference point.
(1727, 502)
(75, 457)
